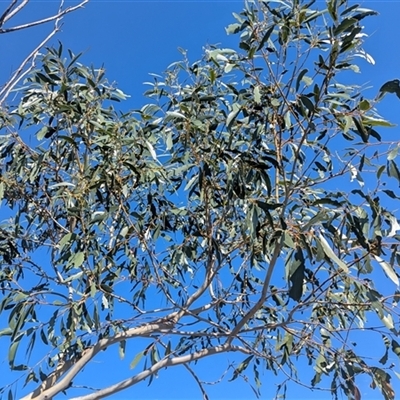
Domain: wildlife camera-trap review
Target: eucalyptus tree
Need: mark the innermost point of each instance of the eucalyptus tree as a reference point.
(247, 208)
(8, 24)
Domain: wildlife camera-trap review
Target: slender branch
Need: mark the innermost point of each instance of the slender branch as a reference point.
(210, 274)
(49, 388)
(20, 73)
(199, 383)
(263, 295)
(60, 14)
(7, 14)
(211, 269)
(167, 362)
(70, 370)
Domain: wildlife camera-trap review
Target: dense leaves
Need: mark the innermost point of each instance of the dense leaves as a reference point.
(242, 210)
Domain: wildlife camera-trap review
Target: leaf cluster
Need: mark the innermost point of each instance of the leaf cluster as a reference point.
(248, 198)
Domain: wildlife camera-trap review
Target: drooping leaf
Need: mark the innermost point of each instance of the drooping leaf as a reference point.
(136, 360)
(331, 254)
(241, 367)
(389, 271)
(392, 86)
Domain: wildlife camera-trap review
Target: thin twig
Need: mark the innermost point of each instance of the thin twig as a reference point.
(196, 378)
(20, 73)
(7, 14)
(44, 20)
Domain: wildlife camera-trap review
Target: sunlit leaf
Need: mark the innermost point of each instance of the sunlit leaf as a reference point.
(331, 254)
(257, 95)
(389, 271)
(136, 360)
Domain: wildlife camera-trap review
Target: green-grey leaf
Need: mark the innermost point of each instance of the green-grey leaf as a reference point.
(389, 271)
(393, 153)
(257, 95)
(331, 254)
(136, 360)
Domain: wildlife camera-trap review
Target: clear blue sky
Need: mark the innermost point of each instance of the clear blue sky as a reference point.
(133, 38)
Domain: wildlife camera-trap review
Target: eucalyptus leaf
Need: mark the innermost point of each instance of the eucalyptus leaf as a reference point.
(388, 269)
(331, 254)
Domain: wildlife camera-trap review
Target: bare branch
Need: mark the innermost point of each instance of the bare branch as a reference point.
(263, 295)
(44, 392)
(167, 362)
(199, 383)
(8, 14)
(60, 14)
(20, 72)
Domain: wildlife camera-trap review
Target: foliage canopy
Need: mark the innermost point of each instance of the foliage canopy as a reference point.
(245, 209)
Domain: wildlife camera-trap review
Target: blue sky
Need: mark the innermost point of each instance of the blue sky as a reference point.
(133, 38)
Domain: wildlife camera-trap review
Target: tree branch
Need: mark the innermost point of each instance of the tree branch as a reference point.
(263, 294)
(199, 383)
(167, 362)
(60, 14)
(70, 370)
(7, 14)
(20, 73)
